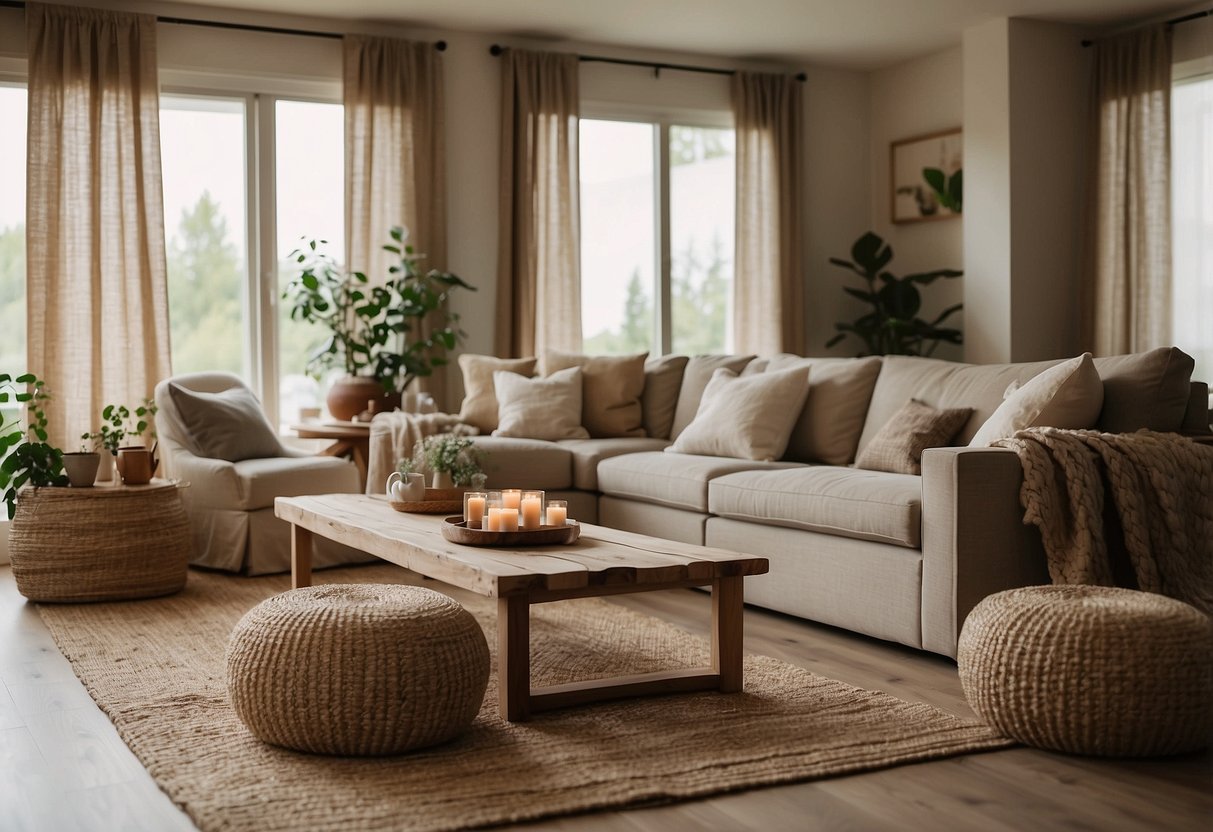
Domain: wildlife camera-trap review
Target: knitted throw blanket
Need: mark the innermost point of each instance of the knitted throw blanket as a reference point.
(1161, 484)
(393, 436)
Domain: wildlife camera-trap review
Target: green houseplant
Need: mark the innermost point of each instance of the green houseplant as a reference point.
(892, 327)
(382, 335)
(449, 458)
(28, 459)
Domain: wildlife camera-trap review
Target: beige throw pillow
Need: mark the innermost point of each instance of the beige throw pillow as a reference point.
(829, 426)
(1068, 395)
(540, 408)
(611, 386)
(229, 425)
(897, 447)
(746, 417)
(479, 396)
(695, 379)
(662, 381)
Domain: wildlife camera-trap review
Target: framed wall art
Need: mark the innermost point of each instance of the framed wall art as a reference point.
(926, 177)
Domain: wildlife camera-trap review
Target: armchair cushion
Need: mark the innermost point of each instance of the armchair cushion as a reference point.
(228, 425)
(253, 484)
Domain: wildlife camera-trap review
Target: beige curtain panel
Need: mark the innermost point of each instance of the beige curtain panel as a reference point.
(395, 165)
(98, 295)
(538, 258)
(1127, 288)
(768, 291)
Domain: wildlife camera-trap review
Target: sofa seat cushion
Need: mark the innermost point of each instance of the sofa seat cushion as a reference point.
(511, 462)
(254, 483)
(675, 480)
(587, 453)
(848, 502)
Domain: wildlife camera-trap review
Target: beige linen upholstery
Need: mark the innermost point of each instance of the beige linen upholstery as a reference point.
(479, 393)
(1067, 396)
(611, 386)
(675, 480)
(844, 582)
(1145, 390)
(513, 462)
(231, 504)
(652, 519)
(848, 502)
(839, 392)
(587, 453)
(695, 378)
(662, 381)
(540, 408)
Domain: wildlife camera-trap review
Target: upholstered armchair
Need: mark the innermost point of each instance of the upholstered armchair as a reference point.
(214, 435)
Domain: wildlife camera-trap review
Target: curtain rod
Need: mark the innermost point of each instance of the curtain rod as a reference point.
(496, 49)
(1172, 22)
(220, 24)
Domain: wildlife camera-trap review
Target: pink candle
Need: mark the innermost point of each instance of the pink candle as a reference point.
(508, 521)
(474, 515)
(511, 498)
(558, 515)
(532, 512)
(493, 523)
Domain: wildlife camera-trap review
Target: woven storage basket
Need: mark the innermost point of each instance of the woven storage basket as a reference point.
(357, 669)
(108, 543)
(1091, 670)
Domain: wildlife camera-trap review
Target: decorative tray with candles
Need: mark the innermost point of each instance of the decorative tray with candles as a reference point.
(457, 531)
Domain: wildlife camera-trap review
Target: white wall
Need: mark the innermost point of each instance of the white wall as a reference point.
(925, 95)
(4, 525)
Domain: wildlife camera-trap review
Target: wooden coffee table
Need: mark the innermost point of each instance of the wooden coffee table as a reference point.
(603, 562)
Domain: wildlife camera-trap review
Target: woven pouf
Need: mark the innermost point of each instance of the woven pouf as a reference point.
(110, 543)
(1091, 670)
(357, 669)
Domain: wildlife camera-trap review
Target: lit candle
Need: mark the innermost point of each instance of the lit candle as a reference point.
(511, 498)
(558, 513)
(493, 524)
(508, 520)
(532, 509)
(473, 509)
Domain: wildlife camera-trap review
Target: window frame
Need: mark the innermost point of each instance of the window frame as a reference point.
(661, 118)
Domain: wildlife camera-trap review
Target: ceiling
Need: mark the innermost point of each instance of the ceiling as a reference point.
(855, 34)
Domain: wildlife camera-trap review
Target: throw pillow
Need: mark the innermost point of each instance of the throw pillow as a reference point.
(695, 379)
(829, 426)
(1068, 395)
(611, 386)
(746, 417)
(479, 396)
(540, 408)
(662, 381)
(897, 447)
(229, 425)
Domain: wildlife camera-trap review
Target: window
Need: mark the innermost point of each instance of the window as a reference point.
(12, 235)
(1192, 219)
(657, 205)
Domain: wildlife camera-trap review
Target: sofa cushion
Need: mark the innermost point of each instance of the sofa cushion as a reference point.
(510, 462)
(540, 408)
(898, 446)
(587, 453)
(479, 393)
(695, 379)
(746, 417)
(662, 381)
(259, 481)
(839, 392)
(1068, 396)
(848, 502)
(611, 386)
(676, 480)
(1145, 390)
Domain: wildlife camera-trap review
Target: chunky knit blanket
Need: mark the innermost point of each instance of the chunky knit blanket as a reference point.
(393, 436)
(1160, 484)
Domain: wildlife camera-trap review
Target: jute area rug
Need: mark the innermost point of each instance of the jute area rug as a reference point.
(157, 669)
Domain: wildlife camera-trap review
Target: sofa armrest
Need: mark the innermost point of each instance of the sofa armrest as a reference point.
(212, 481)
(974, 541)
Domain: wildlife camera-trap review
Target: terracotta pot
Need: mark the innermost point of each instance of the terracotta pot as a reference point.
(81, 468)
(350, 395)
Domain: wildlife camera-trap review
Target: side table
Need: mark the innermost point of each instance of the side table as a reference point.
(105, 543)
(349, 439)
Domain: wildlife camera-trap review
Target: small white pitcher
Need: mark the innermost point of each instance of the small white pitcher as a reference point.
(406, 488)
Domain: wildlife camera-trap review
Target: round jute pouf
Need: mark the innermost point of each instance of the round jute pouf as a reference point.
(108, 543)
(357, 669)
(1091, 670)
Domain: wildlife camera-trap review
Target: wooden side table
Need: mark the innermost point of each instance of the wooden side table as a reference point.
(106, 543)
(349, 439)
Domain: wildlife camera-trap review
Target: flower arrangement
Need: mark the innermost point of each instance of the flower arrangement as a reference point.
(447, 454)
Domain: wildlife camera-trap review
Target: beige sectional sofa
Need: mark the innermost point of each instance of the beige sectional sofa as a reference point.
(896, 556)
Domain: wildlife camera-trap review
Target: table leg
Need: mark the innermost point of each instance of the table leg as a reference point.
(728, 616)
(514, 657)
(301, 557)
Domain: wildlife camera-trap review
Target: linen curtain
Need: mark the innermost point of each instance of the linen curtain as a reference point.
(768, 308)
(538, 258)
(395, 165)
(98, 330)
(1127, 287)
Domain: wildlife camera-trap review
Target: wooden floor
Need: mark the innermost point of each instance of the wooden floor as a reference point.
(63, 767)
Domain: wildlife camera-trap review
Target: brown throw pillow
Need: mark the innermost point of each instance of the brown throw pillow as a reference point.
(229, 425)
(479, 395)
(662, 381)
(897, 447)
(611, 389)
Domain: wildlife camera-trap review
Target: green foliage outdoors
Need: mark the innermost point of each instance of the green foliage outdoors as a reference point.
(893, 326)
(27, 458)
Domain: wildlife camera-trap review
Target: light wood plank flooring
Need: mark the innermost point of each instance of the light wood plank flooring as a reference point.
(63, 766)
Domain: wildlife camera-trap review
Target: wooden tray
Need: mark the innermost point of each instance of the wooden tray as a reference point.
(437, 501)
(455, 531)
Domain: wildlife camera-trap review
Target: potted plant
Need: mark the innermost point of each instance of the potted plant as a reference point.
(382, 335)
(893, 326)
(28, 459)
(118, 423)
(452, 461)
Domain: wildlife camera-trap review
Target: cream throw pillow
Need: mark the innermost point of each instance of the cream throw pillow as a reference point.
(479, 396)
(1067, 395)
(540, 408)
(611, 386)
(746, 417)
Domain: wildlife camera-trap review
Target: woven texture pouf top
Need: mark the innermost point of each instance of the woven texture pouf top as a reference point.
(1091, 670)
(357, 669)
